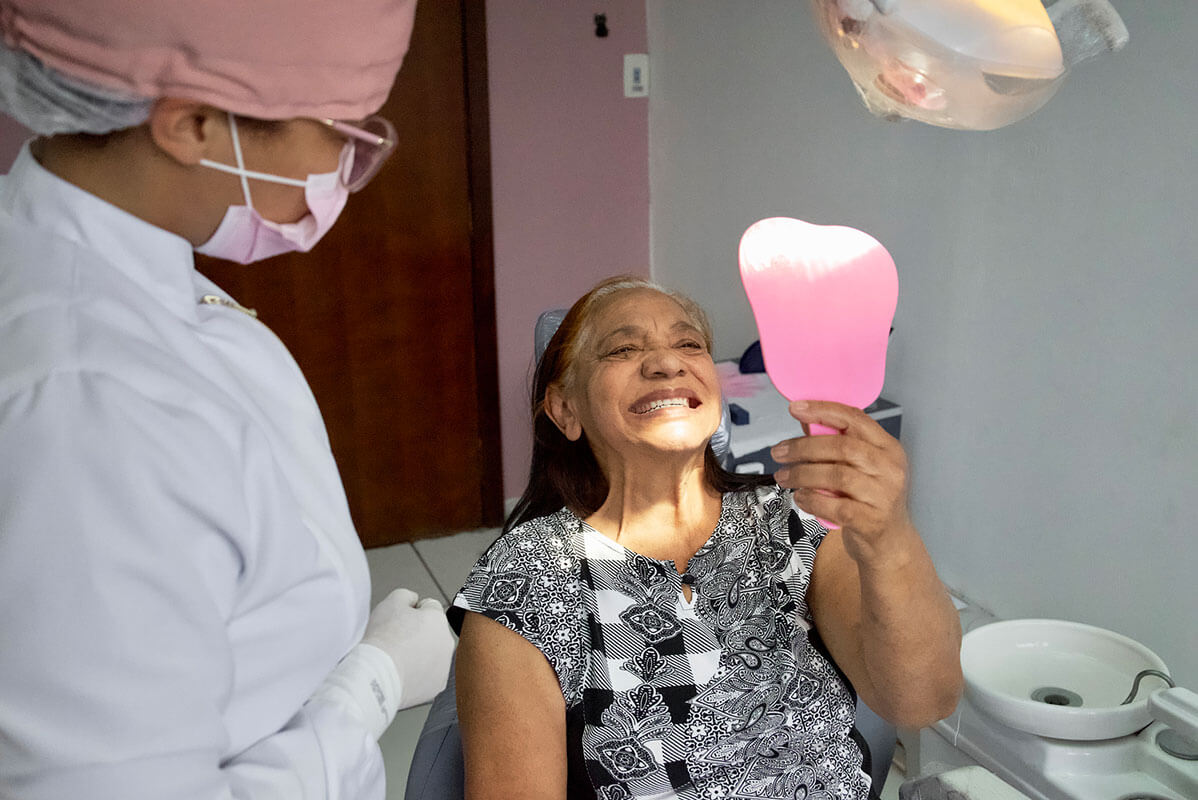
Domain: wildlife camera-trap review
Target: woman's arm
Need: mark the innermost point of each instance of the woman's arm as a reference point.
(512, 714)
(874, 593)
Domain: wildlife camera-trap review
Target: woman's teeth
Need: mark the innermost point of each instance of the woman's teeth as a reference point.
(676, 402)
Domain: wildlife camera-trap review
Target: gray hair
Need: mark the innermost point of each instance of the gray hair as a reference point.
(47, 102)
(606, 291)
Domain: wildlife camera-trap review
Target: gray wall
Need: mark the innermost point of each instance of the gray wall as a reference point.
(1047, 327)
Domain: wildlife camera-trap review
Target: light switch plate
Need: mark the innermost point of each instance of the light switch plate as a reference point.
(636, 75)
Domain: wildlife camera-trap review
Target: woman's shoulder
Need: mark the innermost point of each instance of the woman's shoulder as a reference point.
(529, 581)
(538, 551)
(768, 501)
(551, 534)
(774, 509)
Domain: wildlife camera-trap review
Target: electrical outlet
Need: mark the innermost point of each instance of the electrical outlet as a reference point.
(636, 75)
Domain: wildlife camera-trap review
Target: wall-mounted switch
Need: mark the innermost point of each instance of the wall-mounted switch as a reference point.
(636, 75)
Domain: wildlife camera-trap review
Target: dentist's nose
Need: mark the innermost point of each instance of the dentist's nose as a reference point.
(662, 362)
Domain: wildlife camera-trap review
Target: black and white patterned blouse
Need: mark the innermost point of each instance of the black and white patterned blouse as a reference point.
(731, 695)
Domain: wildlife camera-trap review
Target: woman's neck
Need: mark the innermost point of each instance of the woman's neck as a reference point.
(128, 172)
(664, 512)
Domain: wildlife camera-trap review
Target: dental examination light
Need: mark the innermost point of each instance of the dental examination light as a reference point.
(965, 64)
(823, 297)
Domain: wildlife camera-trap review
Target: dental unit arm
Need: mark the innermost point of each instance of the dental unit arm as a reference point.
(964, 64)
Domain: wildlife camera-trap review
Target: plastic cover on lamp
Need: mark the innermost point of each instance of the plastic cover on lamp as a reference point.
(975, 65)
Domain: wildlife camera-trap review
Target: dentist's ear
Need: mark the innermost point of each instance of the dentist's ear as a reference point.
(187, 131)
(561, 411)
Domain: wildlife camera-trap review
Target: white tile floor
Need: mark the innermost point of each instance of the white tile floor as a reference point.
(436, 568)
(431, 568)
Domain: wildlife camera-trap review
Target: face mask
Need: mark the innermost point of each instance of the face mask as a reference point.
(244, 236)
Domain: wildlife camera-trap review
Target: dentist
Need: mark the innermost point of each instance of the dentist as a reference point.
(184, 603)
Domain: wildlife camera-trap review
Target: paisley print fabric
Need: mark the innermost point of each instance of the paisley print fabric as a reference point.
(727, 696)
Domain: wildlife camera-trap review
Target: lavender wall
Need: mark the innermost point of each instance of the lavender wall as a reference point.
(570, 176)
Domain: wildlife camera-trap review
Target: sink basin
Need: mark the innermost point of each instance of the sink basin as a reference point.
(1057, 678)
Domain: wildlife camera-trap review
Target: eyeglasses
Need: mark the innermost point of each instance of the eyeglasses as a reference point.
(373, 141)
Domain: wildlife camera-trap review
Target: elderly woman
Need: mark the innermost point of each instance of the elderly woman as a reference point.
(650, 625)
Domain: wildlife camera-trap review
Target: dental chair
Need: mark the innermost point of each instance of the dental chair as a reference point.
(437, 771)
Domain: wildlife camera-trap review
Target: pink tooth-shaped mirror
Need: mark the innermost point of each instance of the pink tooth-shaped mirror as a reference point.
(824, 298)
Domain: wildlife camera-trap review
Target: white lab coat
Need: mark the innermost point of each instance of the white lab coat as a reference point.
(178, 568)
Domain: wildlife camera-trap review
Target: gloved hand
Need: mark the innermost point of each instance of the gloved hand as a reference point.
(417, 636)
(402, 661)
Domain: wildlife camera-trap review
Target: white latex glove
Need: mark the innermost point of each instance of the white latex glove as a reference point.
(418, 638)
(402, 661)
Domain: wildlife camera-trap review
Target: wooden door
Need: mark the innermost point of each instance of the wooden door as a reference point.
(391, 317)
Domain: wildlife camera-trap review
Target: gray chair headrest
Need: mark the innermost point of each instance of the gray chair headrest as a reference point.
(547, 325)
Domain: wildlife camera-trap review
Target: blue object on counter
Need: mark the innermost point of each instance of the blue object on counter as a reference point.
(740, 416)
(751, 360)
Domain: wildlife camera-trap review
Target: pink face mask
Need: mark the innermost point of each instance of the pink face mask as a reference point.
(244, 236)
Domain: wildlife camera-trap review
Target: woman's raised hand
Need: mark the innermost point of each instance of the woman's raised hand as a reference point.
(875, 596)
(857, 480)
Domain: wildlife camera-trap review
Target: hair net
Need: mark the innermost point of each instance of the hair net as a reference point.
(272, 59)
(48, 103)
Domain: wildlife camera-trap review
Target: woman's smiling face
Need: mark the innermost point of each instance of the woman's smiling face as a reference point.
(643, 378)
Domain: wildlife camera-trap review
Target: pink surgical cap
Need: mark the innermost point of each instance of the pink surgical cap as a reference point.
(273, 59)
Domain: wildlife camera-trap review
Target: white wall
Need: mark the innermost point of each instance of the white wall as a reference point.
(1047, 329)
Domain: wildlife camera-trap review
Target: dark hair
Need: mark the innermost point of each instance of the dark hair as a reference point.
(98, 141)
(252, 126)
(565, 473)
(261, 127)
